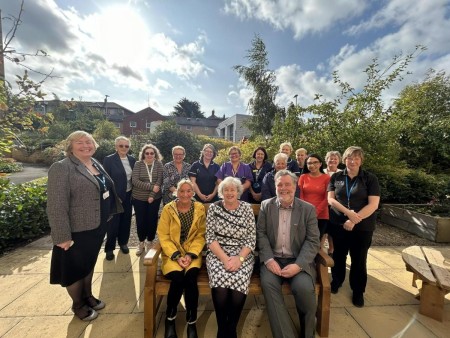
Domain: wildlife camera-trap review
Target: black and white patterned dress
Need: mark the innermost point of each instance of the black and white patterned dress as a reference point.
(233, 229)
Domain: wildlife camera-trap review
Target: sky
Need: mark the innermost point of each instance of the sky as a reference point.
(152, 53)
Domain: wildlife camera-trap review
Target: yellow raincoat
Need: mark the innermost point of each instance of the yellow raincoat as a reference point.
(169, 230)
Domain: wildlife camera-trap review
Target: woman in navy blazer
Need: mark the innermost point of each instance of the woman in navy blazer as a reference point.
(81, 199)
(120, 166)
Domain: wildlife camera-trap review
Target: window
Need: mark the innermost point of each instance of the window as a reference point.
(133, 124)
(188, 127)
(148, 125)
(206, 128)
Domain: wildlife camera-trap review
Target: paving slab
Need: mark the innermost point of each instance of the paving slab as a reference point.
(389, 321)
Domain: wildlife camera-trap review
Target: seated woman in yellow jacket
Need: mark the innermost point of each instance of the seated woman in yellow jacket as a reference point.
(181, 232)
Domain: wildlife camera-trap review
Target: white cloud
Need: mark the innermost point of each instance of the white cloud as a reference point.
(302, 17)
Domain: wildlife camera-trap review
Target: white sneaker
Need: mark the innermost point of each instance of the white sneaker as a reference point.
(140, 249)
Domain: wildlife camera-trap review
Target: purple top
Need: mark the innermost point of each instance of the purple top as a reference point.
(244, 173)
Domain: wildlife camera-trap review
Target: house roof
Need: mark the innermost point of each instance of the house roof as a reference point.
(196, 121)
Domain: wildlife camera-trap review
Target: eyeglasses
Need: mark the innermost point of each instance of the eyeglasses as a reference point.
(123, 146)
(312, 163)
(150, 153)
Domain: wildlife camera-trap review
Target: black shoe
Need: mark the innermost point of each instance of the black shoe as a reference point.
(358, 299)
(124, 249)
(170, 331)
(335, 287)
(109, 255)
(192, 331)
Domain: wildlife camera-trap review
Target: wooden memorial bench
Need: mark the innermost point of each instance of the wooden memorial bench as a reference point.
(427, 265)
(157, 286)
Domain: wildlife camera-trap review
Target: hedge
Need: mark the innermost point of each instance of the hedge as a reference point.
(23, 212)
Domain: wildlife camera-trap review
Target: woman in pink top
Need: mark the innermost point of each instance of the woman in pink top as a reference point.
(313, 185)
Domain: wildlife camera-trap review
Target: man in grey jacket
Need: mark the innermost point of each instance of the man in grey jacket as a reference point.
(288, 241)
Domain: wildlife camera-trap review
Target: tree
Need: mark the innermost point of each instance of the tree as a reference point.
(106, 130)
(17, 108)
(168, 135)
(422, 113)
(261, 80)
(187, 108)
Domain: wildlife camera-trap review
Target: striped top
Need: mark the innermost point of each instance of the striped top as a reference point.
(142, 188)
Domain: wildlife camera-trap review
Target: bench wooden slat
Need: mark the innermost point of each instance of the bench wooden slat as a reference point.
(436, 262)
(157, 286)
(415, 260)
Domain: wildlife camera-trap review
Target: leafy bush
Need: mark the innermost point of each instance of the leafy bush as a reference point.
(106, 147)
(23, 213)
(7, 166)
(408, 186)
(53, 154)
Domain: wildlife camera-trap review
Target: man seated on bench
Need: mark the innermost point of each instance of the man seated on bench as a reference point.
(288, 241)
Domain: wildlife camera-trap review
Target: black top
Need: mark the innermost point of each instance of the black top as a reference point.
(258, 175)
(354, 195)
(205, 177)
(292, 166)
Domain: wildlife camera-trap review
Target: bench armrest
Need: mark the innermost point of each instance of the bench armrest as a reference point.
(151, 258)
(324, 259)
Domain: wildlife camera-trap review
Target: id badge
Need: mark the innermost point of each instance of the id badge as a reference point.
(106, 194)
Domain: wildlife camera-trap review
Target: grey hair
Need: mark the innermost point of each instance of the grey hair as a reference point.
(230, 181)
(180, 184)
(281, 156)
(122, 138)
(333, 153)
(286, 172)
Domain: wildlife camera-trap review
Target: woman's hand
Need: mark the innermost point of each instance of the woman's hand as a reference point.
(353, 217)
(156, 188)
(349, 225)
(65, 245)
(185, 261)
(150, 200)
(233, 264)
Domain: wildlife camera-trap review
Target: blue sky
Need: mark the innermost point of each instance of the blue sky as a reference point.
(153, 53)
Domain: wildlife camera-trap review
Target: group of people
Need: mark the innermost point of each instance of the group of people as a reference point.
(303, 202)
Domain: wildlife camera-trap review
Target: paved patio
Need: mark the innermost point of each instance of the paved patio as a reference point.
(31, 307)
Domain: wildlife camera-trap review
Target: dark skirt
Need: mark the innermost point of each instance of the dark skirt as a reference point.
(72, 265)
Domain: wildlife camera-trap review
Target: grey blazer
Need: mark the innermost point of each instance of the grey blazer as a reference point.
(73, 199)
(305, 242)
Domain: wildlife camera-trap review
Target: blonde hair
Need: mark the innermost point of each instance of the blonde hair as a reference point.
(75, 136)
(122, 138)
(286, 144)
(301, 150)
(353, 151)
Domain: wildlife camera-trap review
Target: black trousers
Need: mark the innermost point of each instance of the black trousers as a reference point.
(183, 281)
(146, 218)
(357, 243)
(119, 226)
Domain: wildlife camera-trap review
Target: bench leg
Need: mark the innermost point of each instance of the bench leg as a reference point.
(323, 305)
(432, 301)
(149, 312)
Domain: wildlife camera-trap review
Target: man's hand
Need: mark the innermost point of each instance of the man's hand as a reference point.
(290, 270)
(273, 267)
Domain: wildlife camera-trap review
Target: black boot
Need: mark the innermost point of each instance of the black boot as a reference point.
(192, 331)
(170, 331)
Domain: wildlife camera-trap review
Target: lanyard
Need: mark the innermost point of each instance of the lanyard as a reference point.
(349, 192)
(150, 173)
(100, 177)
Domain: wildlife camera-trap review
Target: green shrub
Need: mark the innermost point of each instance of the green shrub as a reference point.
(106, 147)
(23, 213)
(408, 186)
(7, 166)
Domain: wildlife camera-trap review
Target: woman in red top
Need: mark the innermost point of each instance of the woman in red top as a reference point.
(313, 185)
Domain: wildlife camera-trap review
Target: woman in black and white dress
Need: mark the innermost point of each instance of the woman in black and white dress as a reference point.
(231, 239)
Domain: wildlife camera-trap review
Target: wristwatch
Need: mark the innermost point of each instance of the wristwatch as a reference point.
(242, 259)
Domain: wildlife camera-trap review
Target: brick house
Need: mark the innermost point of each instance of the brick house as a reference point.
(144, 121)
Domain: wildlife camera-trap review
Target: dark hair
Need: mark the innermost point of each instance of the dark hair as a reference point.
(305, 167)
(263, 150)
